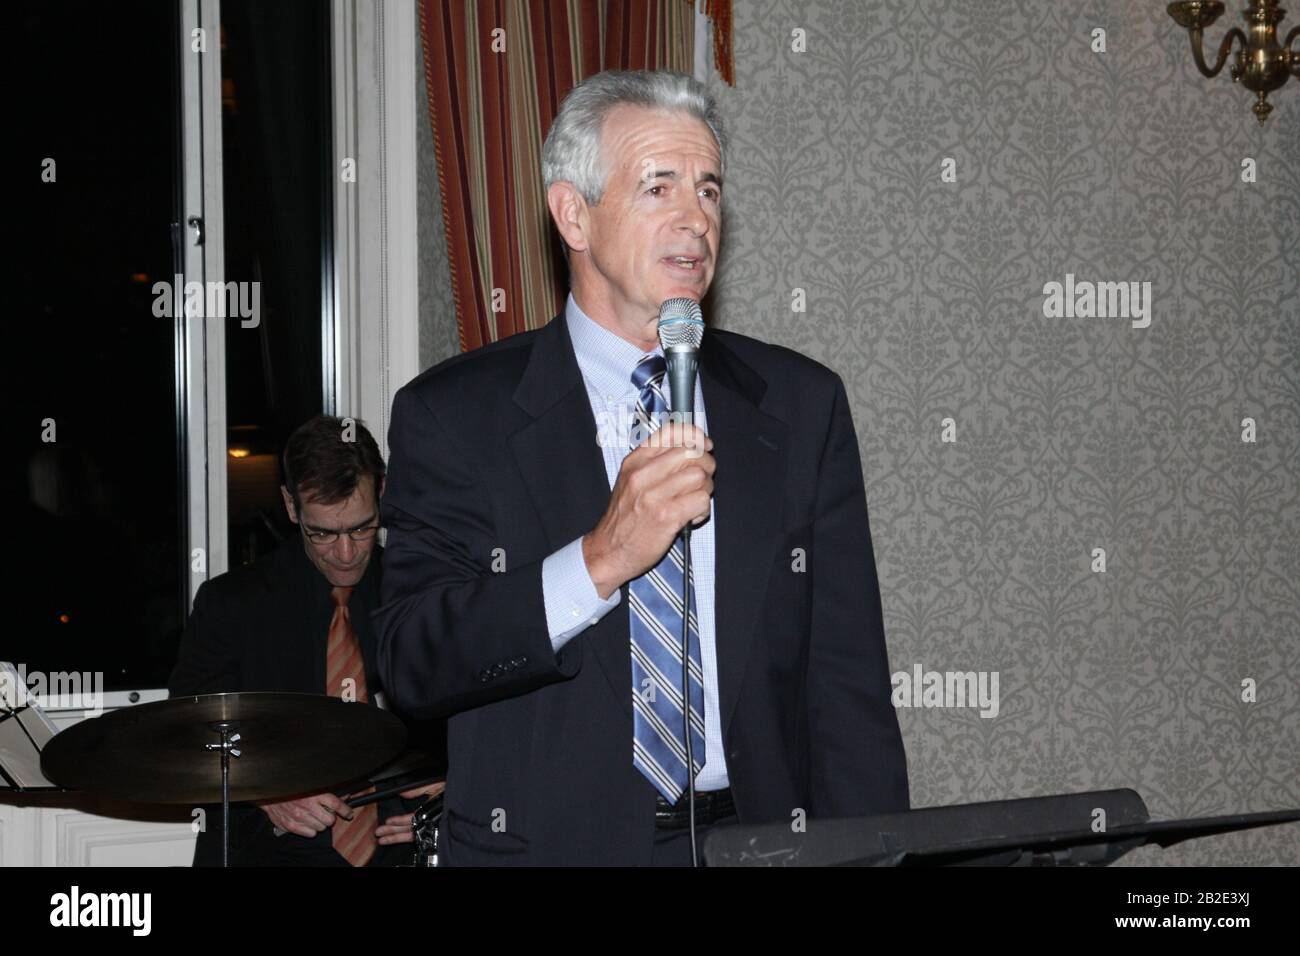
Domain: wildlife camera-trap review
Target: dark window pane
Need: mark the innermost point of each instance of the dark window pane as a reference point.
(278, 195)
(98, 583)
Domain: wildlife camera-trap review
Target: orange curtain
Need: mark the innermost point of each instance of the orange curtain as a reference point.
(496, 72)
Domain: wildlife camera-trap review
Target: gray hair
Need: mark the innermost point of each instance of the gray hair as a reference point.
(572, 149)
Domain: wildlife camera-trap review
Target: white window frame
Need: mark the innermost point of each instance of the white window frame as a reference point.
(376, 254)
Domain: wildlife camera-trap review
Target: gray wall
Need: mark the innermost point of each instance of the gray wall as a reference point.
(1071, 434)
(439, 336)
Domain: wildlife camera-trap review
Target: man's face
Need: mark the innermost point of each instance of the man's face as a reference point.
(662, 200)
(343, 561)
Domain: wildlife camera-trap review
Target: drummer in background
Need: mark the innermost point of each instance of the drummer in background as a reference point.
(298, 620)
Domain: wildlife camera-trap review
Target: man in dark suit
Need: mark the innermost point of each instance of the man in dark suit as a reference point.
(529, 587)
(299, 621)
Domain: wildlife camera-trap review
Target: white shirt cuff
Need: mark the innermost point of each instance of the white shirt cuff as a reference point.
(572, 604)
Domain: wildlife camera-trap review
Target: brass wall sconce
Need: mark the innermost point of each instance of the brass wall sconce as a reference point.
(1261, 64)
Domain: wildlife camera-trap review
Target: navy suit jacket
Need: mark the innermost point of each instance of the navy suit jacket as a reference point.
(494, 465)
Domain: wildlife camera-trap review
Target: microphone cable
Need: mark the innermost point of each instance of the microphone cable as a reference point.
(686, 684)
(681, 329)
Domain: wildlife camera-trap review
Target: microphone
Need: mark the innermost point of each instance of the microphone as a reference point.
(681, 329)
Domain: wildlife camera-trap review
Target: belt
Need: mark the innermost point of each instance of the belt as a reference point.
(710, 807)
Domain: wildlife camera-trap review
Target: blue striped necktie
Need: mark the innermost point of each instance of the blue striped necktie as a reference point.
(658, 743)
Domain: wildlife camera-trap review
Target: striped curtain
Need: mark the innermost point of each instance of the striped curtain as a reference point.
(496, 72)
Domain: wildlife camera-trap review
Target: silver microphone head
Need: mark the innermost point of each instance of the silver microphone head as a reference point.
(681, 323)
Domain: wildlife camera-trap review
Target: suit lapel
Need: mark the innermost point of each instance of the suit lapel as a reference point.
(564, 470)
(751, 448)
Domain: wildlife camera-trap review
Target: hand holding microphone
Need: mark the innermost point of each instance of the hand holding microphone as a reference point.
(663, 484)
(666, 482)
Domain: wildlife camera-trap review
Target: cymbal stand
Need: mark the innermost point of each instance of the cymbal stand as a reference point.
(228, 749)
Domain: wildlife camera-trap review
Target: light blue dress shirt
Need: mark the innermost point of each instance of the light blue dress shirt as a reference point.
(572, 604)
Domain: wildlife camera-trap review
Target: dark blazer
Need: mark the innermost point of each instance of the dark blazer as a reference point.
(265, 627)
(497, 449)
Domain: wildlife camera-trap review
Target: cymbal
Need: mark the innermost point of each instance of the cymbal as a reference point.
(411, 762)
(289, 744)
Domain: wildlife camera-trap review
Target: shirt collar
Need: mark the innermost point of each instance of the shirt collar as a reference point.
(606, 359)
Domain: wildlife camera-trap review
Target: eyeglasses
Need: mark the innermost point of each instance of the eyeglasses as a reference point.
(364, 533)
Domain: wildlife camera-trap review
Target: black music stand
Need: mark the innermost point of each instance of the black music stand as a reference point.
(1065, 830)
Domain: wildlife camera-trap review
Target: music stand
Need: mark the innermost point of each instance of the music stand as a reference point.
(1030, 831)
(24, 732)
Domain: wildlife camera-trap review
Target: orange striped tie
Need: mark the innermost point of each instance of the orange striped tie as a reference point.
(354, 839)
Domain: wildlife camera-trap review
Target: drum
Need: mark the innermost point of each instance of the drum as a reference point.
(424, 827)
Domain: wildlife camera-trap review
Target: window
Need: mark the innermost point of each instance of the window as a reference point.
(275, 106)
(145, 459)
(95, 563)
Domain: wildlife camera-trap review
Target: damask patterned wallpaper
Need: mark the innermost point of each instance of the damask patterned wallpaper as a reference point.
(1071, 433)
(439, 336)
(900, 192)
